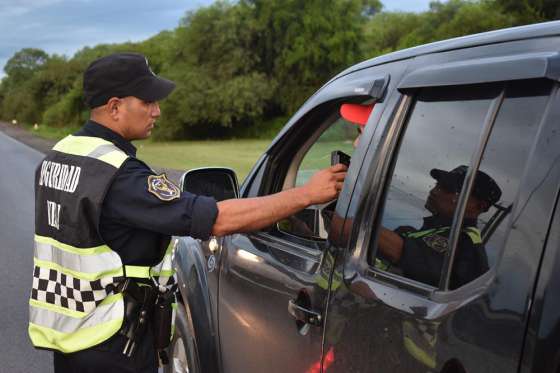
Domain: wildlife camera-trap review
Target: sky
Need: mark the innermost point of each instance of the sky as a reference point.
(66, 26)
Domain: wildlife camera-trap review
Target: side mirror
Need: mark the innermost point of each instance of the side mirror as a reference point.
(218, 182)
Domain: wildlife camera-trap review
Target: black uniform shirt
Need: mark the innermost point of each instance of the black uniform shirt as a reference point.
(137, 224)
(422, 258)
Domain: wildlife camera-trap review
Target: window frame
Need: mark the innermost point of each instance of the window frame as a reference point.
(367, 231)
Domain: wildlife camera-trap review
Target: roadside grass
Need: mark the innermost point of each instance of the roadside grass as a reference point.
(51, 133)
(238, 154)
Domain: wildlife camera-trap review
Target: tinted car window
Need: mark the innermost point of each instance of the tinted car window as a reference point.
(440, 139)
(441, 134)
(506, 155)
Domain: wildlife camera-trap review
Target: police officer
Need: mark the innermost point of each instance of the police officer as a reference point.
(104, 221)
(419, 253)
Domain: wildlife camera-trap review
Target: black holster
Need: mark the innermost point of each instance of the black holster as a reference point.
(162, 317)
(139, 302)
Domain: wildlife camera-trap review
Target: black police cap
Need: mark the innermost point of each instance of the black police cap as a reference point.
(122, 75)
(485, 188)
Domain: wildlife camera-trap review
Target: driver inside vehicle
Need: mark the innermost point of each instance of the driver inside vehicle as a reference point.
(419, 253)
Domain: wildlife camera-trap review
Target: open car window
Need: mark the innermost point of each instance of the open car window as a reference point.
(333, 133)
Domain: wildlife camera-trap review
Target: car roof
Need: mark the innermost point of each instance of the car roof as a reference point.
(538, 30)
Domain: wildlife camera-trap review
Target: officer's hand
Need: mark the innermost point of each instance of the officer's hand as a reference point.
(325, 185)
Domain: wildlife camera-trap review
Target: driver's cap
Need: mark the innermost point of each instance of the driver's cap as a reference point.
(356, 113)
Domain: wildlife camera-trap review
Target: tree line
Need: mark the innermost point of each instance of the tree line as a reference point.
(243, 67)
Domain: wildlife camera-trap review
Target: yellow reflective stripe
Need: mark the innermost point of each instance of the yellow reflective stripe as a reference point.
(114, 158)
(112, 298)
(72, 249)
(81, 275)
(108, 300)
(137, 271)
(381, 264)
(55, 308)
(76, 341)
(85, 145)
(164, 273)
(419, 354)
(474, 235)
(79, 145)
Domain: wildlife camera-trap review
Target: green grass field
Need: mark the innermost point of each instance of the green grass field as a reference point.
(239, 155)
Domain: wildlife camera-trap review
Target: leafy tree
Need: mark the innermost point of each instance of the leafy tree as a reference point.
(69, 110)
(217, 86)
(302, 43)
(531, 11)
(23, 64)
(386, 31)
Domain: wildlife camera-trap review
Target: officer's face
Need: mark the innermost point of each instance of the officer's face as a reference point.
(441, 201)
(139, 117)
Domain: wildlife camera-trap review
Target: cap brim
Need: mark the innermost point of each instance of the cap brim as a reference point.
(152, 88)
(356, 113)
(437, 173)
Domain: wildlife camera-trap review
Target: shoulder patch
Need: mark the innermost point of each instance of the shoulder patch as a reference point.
(162, 188)
(437, 243)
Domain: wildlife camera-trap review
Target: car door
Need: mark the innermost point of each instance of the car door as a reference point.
(490, 114)
(273, 283)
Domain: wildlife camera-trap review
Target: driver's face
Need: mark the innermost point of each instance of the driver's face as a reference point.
(441, 201)
(357, 139)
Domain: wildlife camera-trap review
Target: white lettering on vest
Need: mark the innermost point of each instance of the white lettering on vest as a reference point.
(53, 214)
(59, 176)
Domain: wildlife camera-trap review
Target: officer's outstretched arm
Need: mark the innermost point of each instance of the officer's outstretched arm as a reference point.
(250, 214)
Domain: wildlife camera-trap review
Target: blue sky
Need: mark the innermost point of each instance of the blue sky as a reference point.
(65, 26)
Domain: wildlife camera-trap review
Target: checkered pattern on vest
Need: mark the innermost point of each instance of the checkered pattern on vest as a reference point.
(54, 287)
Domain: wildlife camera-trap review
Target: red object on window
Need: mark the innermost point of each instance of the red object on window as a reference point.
(356, 113)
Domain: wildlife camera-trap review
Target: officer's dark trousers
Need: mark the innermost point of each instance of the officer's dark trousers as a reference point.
(108, 358)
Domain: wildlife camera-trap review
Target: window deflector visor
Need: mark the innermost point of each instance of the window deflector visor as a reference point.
(485, 70)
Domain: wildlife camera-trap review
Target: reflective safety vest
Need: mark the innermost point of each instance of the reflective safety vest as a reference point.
(472, 232)
(74, 304)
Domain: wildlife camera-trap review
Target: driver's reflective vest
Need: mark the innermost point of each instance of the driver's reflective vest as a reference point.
(472, 232)
(74, 302)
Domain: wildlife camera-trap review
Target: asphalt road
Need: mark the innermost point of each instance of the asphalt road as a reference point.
(17, 166)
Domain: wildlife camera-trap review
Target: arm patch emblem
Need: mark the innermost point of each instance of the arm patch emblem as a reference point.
(162, 188)
(437, 243)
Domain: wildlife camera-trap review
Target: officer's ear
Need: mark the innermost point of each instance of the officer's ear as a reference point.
(113, 107)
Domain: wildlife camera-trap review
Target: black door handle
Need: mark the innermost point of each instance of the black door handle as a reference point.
(303, 314)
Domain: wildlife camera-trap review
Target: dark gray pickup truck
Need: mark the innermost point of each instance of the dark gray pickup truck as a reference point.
(474, 290)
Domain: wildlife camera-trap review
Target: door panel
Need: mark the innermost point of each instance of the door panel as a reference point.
(258, 279)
